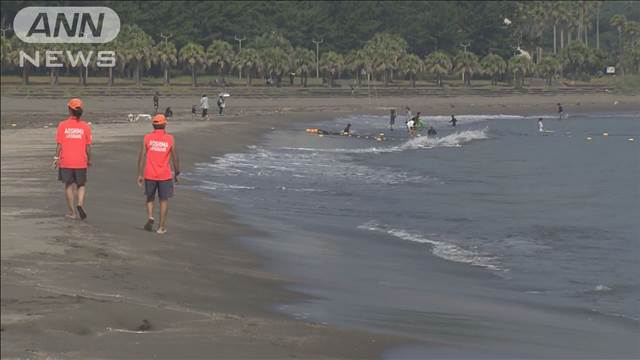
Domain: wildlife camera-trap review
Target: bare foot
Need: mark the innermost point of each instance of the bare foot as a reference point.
(70, 216)
(161, 231)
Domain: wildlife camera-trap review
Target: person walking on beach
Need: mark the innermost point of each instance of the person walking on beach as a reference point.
(155, 171)
(204, 105)
(453, 121)
(73, 157)
(560, 112)
(392, 119)
(221, 105)
(156, 101)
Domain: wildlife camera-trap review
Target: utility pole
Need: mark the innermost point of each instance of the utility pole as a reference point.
(318, 56)
(239, 40)
(165, 37)
(465, 45)
(4, 31)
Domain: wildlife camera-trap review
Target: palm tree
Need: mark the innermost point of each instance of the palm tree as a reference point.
(494, 66)
(249, 60)
(80, 52)
(618, 21)
(385, 51)
(220, 53)
(136, 49)
(466, 64)
(303, 63)
(521, 65)
(356, 62)
(275, 62)
(439, 64)
(332, 63)
(411, 65)
(115, 47)
(5, 52)
(58, 58)
(165, 54)
(548, 68)
(555, 14)
(598, 7)
(193, 56)
(16, 47)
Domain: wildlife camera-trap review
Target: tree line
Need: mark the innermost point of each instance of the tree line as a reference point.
(385, 56)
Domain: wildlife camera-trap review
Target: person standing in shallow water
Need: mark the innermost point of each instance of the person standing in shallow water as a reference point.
(560, 112)
(154, 171)
(453, 121)
(392, 119)
(73, 157)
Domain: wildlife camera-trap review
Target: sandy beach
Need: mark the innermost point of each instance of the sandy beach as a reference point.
(104, 288)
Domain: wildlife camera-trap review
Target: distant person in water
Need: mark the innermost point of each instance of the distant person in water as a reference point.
(540, 126)
(392, 119)
(417, 123)
(560, 112)
(453, 121)
(347, 130)
(168, 112)
(156, 101)
(411, 129)
(431, 131)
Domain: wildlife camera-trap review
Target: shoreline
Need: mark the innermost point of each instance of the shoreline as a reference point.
(115, 257)
(90, 285)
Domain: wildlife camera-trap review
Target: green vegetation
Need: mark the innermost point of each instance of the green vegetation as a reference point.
(385, 42)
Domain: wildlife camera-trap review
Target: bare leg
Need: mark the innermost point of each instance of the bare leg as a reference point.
(150, 208)
(164, 209)
(81, 192)
(69, 190)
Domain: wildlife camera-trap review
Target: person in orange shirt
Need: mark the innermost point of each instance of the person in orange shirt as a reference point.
(155, 171)
(73, 156)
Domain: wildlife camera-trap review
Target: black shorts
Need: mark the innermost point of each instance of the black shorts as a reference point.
(163, 187)
(72, 176)
(204, 112)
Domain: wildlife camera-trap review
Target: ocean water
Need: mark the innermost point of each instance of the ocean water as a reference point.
(489, 240)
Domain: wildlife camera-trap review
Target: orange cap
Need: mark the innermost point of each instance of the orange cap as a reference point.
(159, 119)
(75, 104)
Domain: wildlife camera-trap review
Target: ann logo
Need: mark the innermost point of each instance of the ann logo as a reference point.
(66, 24)
(41, 25)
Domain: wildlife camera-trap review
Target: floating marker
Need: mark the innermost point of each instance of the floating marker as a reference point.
(589, 138)
(632, 139)
(605, 134)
